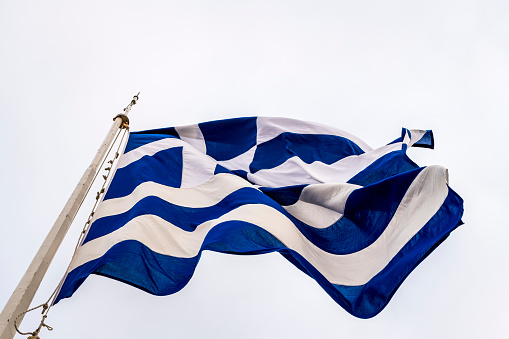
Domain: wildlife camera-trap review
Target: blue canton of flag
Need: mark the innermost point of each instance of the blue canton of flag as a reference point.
(357, 220)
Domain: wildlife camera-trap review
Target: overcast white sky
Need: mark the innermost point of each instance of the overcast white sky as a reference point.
(367, 67)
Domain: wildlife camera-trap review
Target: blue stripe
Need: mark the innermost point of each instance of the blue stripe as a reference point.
(226, 139)
(164, 167)
(384, 167)
(308, 147)
(221, 169)
(284, 196)
(137, 139)
(240, 237)
(240, 173)
(134, 263)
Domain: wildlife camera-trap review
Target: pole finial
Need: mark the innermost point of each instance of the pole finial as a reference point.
(132, 103)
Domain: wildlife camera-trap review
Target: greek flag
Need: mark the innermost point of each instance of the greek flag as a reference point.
(358, 220)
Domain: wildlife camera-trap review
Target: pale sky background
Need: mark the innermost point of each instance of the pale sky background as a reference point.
(367, 67)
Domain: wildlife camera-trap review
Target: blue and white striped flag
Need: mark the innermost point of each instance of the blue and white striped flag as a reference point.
(356, 219)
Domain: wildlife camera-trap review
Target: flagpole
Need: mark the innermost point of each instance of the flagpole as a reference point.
(27, 287)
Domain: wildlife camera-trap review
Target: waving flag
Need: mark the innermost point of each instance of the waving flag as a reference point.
(357, 220)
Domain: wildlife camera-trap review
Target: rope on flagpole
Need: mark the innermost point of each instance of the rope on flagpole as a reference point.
(103, 188)
(124, 130)
(35, 334)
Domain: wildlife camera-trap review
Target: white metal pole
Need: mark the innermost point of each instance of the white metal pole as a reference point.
(24, 293)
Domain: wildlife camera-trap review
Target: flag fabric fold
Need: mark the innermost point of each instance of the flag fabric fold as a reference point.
(358, 220)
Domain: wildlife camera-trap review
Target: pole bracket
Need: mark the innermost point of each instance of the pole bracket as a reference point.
(125, 120)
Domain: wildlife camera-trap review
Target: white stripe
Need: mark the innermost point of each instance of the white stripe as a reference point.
(332, 195)
(206, 195)
(422, 200)
(406, 138)
(240, 162)
(197, 167)
(321, 205)
(269, 128)
(294, 171)
(193, 136)
(149, 150)
(313, 215)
